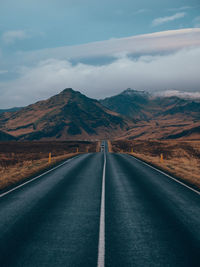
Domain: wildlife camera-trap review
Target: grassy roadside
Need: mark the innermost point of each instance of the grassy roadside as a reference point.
(109, 146)
(180, 159)
(181, 168)
(24, 170)
(98, 146)
(22, 160)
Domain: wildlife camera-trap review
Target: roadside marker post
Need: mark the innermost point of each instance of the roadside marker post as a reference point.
(161, 157)
(49, 157)
(131, 150)
(77, 150)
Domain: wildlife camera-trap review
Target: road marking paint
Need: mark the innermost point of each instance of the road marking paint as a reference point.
(101, 246)
(169, 176)
(35, 178)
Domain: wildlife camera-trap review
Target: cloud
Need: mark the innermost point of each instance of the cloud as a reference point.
(155, 62)
(11, 37)
(179, 71)
(181, 8)
(109, 50)
(193, 95)
(161, 20)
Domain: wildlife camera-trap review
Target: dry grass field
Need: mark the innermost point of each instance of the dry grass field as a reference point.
(180, 158)
(20, 160)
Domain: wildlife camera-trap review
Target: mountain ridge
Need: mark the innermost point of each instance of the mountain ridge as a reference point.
(131, 114)
(156, 117)
(66, 115)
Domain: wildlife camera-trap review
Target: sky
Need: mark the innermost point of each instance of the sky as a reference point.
(98, 47)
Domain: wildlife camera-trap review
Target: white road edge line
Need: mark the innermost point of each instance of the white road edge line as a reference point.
(169, 176)
(101, 246)
(29, 181)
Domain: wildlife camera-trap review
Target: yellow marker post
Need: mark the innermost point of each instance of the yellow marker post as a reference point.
(49, 157)
(77, 150)
(161, 157)
(131, 150)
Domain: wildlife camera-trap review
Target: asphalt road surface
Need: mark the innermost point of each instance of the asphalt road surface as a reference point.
(100, 209)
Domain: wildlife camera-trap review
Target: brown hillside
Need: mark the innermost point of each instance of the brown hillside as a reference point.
(157, 117)
(68, 115)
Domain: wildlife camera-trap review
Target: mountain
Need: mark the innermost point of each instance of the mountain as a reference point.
(6, 137)
(141, 105)
(187, 108)
(9, 110)
(156, 117)
(131, 114)
(187, 134)
(68, 115)
(128, 103)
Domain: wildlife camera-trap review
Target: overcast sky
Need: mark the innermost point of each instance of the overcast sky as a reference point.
(97, 47)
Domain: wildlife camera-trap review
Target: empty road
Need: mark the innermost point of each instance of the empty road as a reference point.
(100, 209)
